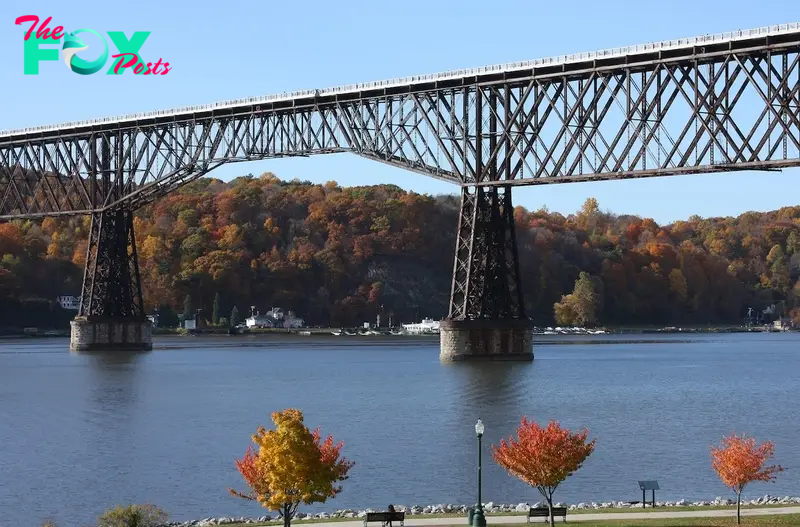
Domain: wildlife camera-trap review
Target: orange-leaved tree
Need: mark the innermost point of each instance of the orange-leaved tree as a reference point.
(543, 457)
(292, 465)
(739, 461)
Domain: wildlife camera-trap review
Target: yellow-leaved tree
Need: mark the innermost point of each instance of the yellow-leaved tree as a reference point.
(292, 465)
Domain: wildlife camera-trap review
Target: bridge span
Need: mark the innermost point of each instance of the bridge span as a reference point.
(713, 103)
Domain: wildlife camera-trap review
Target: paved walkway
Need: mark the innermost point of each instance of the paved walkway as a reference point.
(504, 520)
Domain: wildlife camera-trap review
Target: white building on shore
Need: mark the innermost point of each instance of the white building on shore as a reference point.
(69, 302)
(428, 325)
(259, 321)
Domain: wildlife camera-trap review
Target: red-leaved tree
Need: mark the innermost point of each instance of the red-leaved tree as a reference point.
(543, 457)
(739, 461)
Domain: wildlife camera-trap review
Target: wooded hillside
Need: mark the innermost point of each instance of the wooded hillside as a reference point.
(335, 255)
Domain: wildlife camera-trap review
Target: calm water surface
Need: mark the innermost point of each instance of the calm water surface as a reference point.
(79, 433)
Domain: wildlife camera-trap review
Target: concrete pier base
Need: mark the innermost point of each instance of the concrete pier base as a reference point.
(110, 334)
(501, 340)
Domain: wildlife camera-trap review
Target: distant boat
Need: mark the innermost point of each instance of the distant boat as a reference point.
(337, 332)
(305, 332)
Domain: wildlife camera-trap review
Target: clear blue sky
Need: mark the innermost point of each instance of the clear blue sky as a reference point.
(235, 48)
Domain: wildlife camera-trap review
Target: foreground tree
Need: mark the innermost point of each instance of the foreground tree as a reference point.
(292, 465)
(739, 461)
(543, 457)
(132, 516)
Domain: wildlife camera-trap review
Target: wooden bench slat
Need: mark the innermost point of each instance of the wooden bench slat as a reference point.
(544, 512)
(385, 517)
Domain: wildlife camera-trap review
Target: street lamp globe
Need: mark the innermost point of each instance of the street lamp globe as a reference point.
(479, 428)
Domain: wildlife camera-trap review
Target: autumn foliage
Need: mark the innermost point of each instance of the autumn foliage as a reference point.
(292, 465)
(339, 255)
(739, 461)
(543, 457)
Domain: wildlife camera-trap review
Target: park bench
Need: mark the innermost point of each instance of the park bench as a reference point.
(544, 512)
(385, 518)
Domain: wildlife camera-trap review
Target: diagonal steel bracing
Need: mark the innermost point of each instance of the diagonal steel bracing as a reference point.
(708, 104)
(486, 282)
(111, 282)
(729, 105)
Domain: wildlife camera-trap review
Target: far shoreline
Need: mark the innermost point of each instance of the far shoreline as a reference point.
(330, 332)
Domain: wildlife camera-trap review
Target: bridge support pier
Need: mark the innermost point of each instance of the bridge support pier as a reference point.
(111, 314)
(487, 311)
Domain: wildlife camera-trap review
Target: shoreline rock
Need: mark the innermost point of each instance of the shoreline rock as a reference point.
(489, 507)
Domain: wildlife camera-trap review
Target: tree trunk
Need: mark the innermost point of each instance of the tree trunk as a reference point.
(287, 515)
(739, 508)
(550, 507)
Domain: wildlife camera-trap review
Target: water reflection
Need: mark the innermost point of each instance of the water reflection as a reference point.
(498, 394)
(495, 389)
(112, 395)
(112, 381)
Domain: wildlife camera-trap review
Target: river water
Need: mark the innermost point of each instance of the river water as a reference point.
(79, 433)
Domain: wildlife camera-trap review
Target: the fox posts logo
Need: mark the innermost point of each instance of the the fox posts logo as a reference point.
(38, 47)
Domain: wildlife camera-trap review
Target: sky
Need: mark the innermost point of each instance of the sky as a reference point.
(237, 48)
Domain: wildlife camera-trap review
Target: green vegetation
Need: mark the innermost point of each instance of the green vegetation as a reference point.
(580, 307)
(339, 256)
(132, 516)
(215, 316)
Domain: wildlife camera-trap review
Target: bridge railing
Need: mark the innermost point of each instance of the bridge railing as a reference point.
(414, 79)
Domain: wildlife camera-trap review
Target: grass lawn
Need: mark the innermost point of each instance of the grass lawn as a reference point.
(785, 519)
(778, 519)
(677, 509)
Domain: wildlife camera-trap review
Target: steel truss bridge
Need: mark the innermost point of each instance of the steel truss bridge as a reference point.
(697, 105)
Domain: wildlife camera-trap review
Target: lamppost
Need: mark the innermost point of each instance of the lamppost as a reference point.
(478, 519)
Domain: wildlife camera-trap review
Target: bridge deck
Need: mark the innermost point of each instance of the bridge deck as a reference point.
(424, 81)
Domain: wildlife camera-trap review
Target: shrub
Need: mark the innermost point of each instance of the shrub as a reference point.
(132, 516)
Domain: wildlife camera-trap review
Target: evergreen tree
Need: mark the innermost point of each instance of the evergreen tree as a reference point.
(235, 316)
(167, 317)
(215, 311)
(188, 312)
(793, 243)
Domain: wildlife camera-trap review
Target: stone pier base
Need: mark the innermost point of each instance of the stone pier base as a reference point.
(110, 334)
(508, 340)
